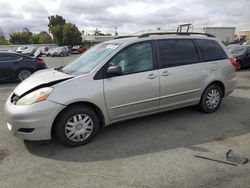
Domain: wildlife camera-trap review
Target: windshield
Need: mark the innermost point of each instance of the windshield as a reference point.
(90, 59)
(237, 50)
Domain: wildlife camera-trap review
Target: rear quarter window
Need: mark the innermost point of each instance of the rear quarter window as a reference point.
(211, 50)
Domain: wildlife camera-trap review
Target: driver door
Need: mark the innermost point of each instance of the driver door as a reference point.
(136, 91)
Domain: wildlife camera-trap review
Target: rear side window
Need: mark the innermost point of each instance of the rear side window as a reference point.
(177, 52)
(211, 50)
(8, 57)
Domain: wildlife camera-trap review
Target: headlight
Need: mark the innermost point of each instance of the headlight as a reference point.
(35, 96)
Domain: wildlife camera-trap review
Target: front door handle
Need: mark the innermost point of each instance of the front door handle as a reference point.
(152, 76)
(165, 73)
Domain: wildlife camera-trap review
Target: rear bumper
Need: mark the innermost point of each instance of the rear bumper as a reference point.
(41, 67)
(31, 122)
(230, 86)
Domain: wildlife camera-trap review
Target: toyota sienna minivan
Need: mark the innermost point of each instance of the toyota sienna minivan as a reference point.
(118, 80)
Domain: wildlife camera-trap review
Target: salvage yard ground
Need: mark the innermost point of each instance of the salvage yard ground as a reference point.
(154, 151)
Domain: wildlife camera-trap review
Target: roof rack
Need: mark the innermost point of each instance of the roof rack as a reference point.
(175, 33)
(125, 36)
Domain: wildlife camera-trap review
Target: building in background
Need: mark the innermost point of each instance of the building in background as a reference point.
(225, 34)
(244, 35)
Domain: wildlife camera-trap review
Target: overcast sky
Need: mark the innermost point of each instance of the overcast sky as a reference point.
(127, 16)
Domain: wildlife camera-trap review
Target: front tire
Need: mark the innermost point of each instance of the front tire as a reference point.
(211, 99)
(76, 126)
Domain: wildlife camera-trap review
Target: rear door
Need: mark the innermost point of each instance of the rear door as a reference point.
(8, 65)
(182, 74)
(136, 91)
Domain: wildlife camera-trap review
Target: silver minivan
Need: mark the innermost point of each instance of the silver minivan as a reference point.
(118, 80)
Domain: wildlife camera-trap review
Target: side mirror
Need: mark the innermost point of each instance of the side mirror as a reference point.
(114, 71)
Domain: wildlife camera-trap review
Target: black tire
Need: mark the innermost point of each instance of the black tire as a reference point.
(20, 74)
(61, 55)
(204, 106)
(66, 115)
(239, 65)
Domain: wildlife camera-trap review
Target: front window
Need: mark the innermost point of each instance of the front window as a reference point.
(90, 59)
(135, 58)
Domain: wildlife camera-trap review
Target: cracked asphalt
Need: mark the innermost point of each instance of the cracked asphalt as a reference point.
(153, 151)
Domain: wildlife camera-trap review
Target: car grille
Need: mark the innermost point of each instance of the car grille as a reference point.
(14, 98)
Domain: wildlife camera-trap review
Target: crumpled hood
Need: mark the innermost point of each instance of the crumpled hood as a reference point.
(43, 78)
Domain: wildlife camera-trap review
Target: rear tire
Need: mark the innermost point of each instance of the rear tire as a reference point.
(76, 126)
(211, 99)
(23, 74)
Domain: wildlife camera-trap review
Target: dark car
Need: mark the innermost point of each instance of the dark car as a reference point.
(15, 66)
(242, 54)
(78, 49)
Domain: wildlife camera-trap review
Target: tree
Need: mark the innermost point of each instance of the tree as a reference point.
(71, 35)
(44, 38)
(20, 38)
(55, 25)
(3, 41)
(34, 39)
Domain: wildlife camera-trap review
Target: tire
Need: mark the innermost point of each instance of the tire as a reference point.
(239, 65)
(70, 129)
(214, 92)
(61, 54)
(23, 74)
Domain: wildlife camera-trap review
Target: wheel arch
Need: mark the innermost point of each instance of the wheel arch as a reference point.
(216, 82)
(86, 103)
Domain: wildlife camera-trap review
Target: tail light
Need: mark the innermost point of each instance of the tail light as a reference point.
(234, 63)
(40, 62)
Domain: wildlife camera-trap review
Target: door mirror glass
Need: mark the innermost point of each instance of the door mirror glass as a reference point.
(114, 71)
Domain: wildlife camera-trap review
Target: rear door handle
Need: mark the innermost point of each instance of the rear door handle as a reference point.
(165, 73)
(152, 76)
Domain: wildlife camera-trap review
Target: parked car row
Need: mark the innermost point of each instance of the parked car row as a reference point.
(241, 53)
(32, 50)
(48, 51)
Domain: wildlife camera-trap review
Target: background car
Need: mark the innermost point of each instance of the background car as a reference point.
(14, 66)
(21, 49)
(45, 49)
(48, 53)
(246, 43)
(242, 55)
(78, 49)
(29, 51)
(60, 51)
